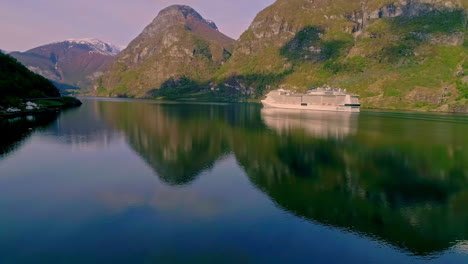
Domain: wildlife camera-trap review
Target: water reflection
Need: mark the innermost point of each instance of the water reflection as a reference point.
(83, 129)
(315, 123)
(177, 141)
(378, 180)
(397, 178)
(373, 191)
(406, 192)
(14, 131)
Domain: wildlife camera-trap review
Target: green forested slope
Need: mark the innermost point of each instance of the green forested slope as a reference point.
(17, 82)
(399, 55)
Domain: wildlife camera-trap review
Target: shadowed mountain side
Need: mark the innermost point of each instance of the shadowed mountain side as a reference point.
(66, 89)
(178, 143)
(17, 82)
(77, 63)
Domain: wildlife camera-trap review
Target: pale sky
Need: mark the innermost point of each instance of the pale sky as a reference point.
(25, 24)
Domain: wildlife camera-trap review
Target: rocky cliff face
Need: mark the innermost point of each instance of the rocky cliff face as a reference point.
(407, 54)
(75, 62)
(285, 18)
(178, 43)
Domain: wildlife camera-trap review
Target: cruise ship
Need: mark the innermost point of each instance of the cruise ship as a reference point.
(320, 99)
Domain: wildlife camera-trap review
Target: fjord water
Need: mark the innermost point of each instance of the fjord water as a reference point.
(130, 181)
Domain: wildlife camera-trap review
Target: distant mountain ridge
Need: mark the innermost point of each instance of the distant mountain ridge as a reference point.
(75, 62)
(178, 43)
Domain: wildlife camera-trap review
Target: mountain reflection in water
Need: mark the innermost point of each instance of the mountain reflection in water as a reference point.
(320, 166)
(80, 128)
(177, 141)
(398, 178)
(14, 131)
(83, 129)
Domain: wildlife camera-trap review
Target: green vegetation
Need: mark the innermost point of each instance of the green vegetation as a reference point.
(301, 47)
(258, 82)
(412, 61)
(202, 49)
(17, 82)
(404, 62)
(436, 21)
(176, 87)
(185, 88)
(463, 89)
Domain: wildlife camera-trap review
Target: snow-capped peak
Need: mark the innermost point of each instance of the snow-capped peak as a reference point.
(96, 45)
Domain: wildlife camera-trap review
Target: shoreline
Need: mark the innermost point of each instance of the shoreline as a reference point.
(62, 104)
(196, 100)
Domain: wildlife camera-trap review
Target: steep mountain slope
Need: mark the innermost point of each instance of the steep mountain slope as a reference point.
(16, 82)
(76, 62)
(178, 43)
(395, 54)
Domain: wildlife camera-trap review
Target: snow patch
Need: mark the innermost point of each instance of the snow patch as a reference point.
(95, 46)
(211, 23)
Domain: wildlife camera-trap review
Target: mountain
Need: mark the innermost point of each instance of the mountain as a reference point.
(394, 54)
(16, 82)
(4, 51)
(178, 45)
(75, 62)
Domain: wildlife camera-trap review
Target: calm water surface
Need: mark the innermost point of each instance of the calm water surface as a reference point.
(146, 182)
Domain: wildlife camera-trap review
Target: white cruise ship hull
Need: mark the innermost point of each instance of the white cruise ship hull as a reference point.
(334, 108)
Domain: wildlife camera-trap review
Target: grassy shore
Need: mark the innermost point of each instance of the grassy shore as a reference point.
(43, 105)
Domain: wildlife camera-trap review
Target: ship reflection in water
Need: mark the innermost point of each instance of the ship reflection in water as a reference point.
(320, 124)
